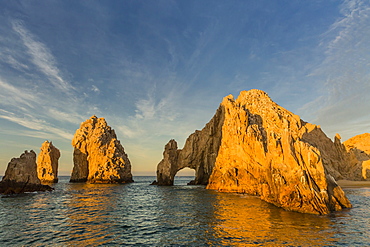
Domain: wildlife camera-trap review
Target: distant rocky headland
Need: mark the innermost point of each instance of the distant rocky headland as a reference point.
(254, 146)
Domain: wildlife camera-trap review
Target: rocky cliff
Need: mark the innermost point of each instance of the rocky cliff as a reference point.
(21, 175)
(47, 163)
(267, 151)
(358, 150)
(199, 153)
(98, 156)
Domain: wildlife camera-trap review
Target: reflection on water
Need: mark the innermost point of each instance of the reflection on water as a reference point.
(88, 213)
(248, 220)
(181, 215)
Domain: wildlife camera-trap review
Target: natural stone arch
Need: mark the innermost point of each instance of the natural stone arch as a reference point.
(199, 153)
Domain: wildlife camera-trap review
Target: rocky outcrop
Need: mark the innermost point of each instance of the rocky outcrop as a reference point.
(98, 156)
(358, 151)
(21, 175)
(47, 163)
(199, 153)
(267, 151)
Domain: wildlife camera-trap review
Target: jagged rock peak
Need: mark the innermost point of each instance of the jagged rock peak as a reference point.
(98, 156)
(47, 163)
(21, 175)
(268, 151)
(258, 147)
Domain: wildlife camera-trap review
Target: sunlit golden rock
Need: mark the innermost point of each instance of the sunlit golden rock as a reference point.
(254, 146)
(98, 156)
(267, 151)
(199, 153)
(358, 149)
(21, 175)
(47, 163)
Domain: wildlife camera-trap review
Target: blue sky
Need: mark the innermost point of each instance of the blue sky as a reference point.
(157, 70)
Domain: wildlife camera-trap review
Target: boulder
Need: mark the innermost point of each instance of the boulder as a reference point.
(21, 175)
(98, 156)
(254, 146)
(47, 163)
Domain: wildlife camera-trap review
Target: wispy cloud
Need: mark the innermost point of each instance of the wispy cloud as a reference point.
(344, 72)
(11, 95)
(41, 57)
(32, 123)
(95, 89)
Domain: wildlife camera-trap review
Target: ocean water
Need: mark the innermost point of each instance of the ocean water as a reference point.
(138, 214)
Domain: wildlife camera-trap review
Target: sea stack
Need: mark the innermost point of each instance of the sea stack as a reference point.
(47, 163)
(21, 175)
(98, 156)
(265, 150)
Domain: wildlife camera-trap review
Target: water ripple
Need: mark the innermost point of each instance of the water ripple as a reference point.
(141, 215)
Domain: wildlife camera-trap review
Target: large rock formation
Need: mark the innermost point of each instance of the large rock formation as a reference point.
(47, 163)
(358, 150)
(199, 153)
(267, 151)
(21, 175)
(98, 156)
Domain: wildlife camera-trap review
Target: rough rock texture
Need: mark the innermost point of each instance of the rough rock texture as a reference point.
(267, 151)
(98, 156)
(21, 175)
(199, 153)
(47, 163)
(358, 150)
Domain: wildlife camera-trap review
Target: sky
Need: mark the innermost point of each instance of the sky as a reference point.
(158, 70)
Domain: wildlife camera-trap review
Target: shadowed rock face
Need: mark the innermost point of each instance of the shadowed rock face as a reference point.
(47, 163)
(199, 153)
(21, 175)
(98, 156)
(267, 151)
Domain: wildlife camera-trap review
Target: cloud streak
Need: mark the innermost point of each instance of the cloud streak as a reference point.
(35, 124)
(344, 72)
(41, 57)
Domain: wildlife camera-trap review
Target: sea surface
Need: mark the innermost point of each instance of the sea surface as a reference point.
(138, 214)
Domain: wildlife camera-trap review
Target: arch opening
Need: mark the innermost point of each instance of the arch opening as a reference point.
(184, 176)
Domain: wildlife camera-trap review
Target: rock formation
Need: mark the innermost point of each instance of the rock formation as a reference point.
(47, 163)
(21, 175)
(199, 153)
(267, 151)
(98, 156)
(358, 150)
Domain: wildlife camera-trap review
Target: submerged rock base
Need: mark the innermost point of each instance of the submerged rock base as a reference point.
(12, 187)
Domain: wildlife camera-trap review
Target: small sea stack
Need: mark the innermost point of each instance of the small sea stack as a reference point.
(21, 176)
(98, 156)
(47, 163)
